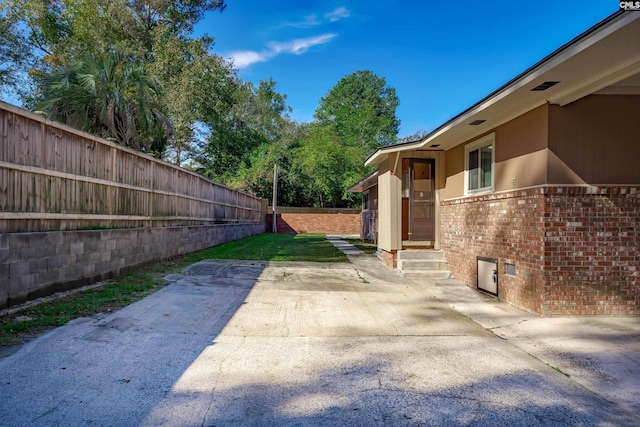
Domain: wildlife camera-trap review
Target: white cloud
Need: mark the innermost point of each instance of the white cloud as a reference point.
(300, 46)
(337, 14)
(309, 21)
(312, 20)
(245, 58)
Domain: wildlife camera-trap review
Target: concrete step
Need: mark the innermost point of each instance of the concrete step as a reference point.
(418, 254)
(421, 264)
(417, 264)
(427, 275)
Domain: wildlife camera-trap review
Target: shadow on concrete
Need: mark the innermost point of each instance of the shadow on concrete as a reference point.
(344, 352)
(115, 370)
(370, 385)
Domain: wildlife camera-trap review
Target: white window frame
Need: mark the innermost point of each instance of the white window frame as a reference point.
(485, 141)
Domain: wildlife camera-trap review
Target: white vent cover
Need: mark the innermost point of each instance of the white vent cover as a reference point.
(488, 275)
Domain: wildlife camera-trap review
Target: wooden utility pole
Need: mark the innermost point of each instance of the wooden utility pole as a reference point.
(275, 198)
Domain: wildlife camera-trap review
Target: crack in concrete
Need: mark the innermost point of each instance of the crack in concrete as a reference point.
(362, 279)
(506, 326)
(215, 380)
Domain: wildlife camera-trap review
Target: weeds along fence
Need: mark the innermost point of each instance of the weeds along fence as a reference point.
(53, 177)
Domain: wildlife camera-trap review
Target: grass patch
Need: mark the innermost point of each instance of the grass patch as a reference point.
(114, 294)
(275, 247)
(560, 371)
(366, 247)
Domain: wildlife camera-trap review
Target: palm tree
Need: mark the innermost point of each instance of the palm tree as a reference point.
(109, 95)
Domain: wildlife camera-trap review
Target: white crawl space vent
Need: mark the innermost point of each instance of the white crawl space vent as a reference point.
(488, 275)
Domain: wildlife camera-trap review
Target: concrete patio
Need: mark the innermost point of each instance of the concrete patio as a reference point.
(272, 343)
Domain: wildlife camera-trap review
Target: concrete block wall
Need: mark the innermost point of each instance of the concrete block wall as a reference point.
(316, 220)
(38, 264)
(574, 248)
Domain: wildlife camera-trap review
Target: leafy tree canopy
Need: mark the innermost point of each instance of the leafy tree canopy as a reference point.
(416, 136)
(258, 116)
(362, 110)
(132, 70)
(108, 95)
(153, 34)
(57, 27)
(15, 56)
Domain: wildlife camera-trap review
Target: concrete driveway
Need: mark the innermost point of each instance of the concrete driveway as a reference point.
(256, 343)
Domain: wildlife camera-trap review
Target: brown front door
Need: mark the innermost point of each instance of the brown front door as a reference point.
(421, 199)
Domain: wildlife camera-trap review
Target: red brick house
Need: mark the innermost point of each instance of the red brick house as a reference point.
(533, 193)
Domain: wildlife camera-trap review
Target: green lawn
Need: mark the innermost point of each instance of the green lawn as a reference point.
(127, 289)
(275, 247)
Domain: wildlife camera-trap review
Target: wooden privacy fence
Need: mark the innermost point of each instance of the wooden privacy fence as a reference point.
(53, 177)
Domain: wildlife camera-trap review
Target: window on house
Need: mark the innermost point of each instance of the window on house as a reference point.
(479, 160)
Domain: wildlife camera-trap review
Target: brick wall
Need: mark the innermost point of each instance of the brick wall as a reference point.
(574, 248)
(37, 264)
(390, 259)
(508, 227)
(316, 220)
(592, 250)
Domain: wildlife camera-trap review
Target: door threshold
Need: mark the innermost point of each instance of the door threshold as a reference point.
(417, 244)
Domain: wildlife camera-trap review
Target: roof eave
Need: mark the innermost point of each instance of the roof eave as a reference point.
(505, 90)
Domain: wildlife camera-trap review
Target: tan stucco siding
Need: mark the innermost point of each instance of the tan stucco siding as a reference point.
(454, 172)
(389, 212)
(521, 151)
(386, 165)
(520, 155)
(523, 135)
(595, 140)
(523, 171)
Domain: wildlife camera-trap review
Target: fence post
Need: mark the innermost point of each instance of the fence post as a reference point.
(112, 190)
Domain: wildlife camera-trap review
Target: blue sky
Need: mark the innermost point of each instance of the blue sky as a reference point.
(440, 56)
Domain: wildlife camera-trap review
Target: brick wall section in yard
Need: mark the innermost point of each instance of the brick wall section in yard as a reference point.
(39, 264)
(575, 248)
(316, 220)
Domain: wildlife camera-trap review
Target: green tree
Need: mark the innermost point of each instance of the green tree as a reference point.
(255, 173)
(137, 27)
(357, 116)
(361, 108)
(320, 162)
(15, 56)
(257, 117)
(155, 34)
(200, 92)
(416, 136)
(328, 167)
(108, 95)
